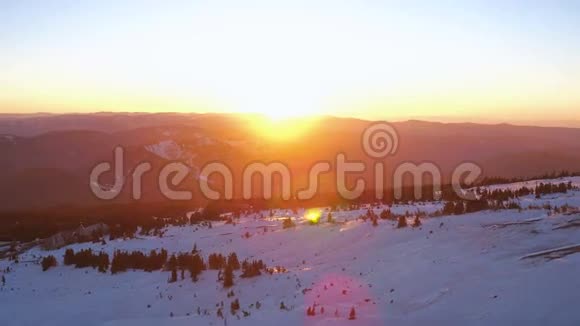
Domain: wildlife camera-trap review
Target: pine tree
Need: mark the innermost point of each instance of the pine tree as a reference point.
(216, 261)
(173, 278)
(233, 261)
(103, 262)
(48, 262)
(402, 222)
(197, 266)
(69, 257)
(115, 263)
(234, 306)
(228, 277)
(172, 263)
(352, 315)
(252, 269)
(3, 280)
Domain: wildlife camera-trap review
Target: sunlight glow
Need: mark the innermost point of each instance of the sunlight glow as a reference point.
(282, 129)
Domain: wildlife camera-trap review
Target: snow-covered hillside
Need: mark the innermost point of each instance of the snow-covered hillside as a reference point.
(469, 269)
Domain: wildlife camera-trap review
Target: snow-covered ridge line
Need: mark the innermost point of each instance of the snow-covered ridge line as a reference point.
(534, 183)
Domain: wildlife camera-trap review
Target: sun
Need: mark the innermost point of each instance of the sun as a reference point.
(283, 128)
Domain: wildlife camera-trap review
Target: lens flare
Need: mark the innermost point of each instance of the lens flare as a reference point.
(313, 216)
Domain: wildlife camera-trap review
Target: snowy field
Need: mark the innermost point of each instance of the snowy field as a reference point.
(453, 270)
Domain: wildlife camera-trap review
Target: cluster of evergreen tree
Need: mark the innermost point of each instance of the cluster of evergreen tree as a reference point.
(252, 268)
(386, 214)
(123, 260)
(472, 206)
(122, 231)
(501, 198)
(370, 215)
(150, 225)
(504, 195)
(216, 261)
(191, 262)
(48, 262)
(233, 262)
(195, 265)
(310, 311)
(153, 227)
(87, 258)
(488, 181)
(548, 188)
(501, 195)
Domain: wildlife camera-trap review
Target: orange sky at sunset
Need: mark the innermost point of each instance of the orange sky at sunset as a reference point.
(485, 62)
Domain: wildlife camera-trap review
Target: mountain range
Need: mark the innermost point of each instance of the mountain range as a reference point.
(47, 159)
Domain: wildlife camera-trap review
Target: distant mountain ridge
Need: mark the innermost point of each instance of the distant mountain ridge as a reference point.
(46, 160)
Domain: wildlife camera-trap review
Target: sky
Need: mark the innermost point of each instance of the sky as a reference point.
(457, 60)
